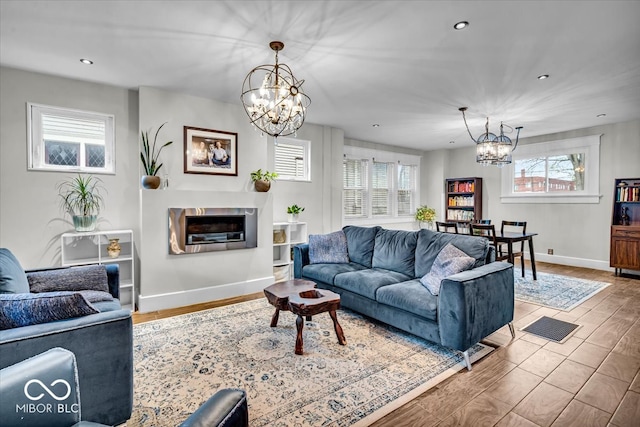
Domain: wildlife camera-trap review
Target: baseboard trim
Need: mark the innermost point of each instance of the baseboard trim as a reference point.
(151, 303)
(573, 262)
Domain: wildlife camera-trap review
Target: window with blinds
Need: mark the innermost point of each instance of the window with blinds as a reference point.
(70, 140)
(379, 184)
(292, 159)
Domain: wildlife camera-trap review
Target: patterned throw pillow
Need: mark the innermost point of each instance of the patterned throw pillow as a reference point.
(450, 260)
(18, 310)
(82, 278)
(328, 248)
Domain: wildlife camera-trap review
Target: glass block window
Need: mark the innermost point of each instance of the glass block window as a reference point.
(62, 139)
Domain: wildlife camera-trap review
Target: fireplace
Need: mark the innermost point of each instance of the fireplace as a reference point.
(194, 230)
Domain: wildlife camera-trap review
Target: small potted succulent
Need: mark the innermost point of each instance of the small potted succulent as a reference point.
(262, 180)
(149, 158)
(294, 211)
(427, 215)
(80, 197)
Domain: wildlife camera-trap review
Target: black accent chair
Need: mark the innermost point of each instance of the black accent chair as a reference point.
(447, 227)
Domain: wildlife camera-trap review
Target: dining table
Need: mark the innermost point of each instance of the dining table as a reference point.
(511, 237)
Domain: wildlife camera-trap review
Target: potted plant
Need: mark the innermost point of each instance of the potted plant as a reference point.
(80, 197)
(262, 180)
(293, 212)
(149, 158)
(426, 214)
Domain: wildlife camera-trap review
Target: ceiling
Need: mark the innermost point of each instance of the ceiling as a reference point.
(399, 64)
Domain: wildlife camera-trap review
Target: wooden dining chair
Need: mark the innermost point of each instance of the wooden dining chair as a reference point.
(488, 231)
(482, 221)
(447, 227)
(516, 227)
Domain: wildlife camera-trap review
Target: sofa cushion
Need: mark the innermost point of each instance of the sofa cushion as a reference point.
(328, 248)
(18, 310)
(396, 250)
(360, 242)
(410, 296)
(430, 243)
(367, 282)
(327, 272)
(82, 278)
(449, 261)
(13, 279)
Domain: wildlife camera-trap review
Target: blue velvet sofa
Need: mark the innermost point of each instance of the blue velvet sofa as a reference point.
(382, 280)
(102, 342)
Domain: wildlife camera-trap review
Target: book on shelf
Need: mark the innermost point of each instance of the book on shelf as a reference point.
(462, 187)
(628, 194)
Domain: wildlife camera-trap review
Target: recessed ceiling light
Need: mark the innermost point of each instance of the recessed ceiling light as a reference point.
(461, 25)
(86, 61)
(376, 125)
(452, 142)
(601, 115)
(543, 76)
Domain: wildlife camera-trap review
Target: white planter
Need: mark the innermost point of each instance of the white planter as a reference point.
(293, 217)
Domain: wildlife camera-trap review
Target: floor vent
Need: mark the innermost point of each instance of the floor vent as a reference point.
(551, 329)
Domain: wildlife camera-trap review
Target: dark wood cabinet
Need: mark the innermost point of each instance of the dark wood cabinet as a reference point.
(464, 200)
(625, 225)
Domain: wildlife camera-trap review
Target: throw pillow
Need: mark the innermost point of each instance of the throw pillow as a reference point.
(13, 279)
(17, 310)
(82, 278)
(450, 260)
(328, 248)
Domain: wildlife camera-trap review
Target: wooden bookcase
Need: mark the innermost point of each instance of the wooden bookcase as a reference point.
(464, 200)
(625, 234)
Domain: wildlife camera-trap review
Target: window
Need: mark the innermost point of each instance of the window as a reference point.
(379, 185)
(564, 171)
(292, 159)
(61, 139)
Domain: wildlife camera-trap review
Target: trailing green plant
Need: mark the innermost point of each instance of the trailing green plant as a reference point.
(263, 176)
(294, 209)
(81, 195)
(148, 155)
(426, 214)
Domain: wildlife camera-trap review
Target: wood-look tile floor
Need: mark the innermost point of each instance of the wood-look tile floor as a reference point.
(593, 379)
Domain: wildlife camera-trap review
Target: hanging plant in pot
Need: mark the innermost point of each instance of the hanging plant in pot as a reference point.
(80, 197)
(262, 180)
(149, 158)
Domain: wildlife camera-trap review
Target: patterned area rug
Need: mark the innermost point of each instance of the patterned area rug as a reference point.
(555, 291)
(181, 361)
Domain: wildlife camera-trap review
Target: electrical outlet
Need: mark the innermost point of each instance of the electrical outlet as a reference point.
(549, 251)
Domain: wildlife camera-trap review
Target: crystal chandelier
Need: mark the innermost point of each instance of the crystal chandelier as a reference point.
(277, 106)
(492, 149)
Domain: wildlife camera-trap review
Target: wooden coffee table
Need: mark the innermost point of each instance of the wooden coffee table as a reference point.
(300, 297)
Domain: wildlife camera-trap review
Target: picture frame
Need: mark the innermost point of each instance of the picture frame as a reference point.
(210, 152)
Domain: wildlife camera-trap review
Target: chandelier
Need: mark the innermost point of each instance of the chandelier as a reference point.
(493, 149)
(277, 106)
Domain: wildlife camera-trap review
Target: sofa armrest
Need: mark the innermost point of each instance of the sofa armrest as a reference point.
(58, 275)
(475, 303)
(226, 408)
(300, 259)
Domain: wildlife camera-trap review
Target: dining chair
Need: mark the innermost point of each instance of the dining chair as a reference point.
(517, 227)
(488, 231)
(482, 221)
(447, 227)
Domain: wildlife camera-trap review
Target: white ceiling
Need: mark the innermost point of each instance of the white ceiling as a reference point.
(396, 63)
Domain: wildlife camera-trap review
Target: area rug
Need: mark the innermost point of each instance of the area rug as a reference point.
(181, 361)
(553, 290)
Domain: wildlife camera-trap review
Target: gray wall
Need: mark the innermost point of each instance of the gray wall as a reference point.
(31, 221)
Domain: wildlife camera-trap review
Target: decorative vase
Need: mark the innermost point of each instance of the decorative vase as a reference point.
(262, 186)
(293, 217)
(150, 182)
(114, 248)
(84, 223)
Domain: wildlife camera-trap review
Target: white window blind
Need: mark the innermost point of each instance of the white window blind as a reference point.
(381, 188)
(292, 159)
(355, 173)
(70, 140)
(406, 189)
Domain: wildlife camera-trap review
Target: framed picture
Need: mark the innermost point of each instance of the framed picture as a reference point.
(212, 152)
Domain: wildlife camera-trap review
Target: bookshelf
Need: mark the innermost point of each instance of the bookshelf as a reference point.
(625, 225)
(285, 236)
(464, 200)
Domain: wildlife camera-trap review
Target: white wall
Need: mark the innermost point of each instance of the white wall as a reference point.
(578, 233)
(31, 221)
